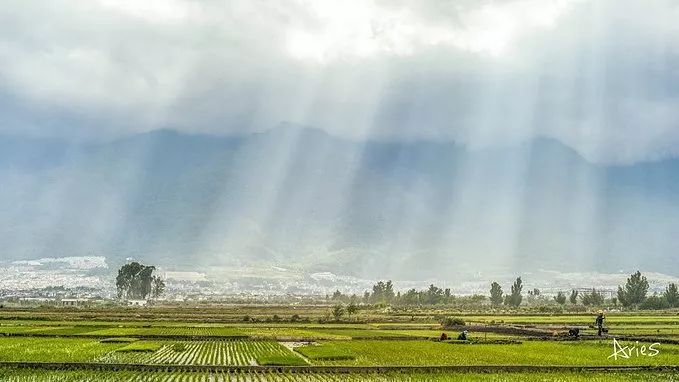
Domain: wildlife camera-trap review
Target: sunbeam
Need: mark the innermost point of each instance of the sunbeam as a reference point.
(359, 140)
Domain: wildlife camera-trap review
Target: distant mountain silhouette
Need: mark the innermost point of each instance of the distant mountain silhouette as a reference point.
(305, 199)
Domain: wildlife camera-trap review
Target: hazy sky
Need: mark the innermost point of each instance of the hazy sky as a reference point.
(601, 76)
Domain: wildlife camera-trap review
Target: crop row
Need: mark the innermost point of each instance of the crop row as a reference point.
(204, 353)
(20, 375)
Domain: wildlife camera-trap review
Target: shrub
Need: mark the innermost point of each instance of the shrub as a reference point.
(452, 321)
(178, 347)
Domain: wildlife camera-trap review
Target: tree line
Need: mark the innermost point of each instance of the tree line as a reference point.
(383, 293)
(633, 294)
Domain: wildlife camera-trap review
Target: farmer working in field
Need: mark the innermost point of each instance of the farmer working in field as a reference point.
(600, 322)
(462, 336)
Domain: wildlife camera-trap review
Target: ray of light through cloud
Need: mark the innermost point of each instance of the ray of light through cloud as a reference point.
(364, 135)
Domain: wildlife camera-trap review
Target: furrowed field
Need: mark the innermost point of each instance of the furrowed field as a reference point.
(146, 345)
(16, 375)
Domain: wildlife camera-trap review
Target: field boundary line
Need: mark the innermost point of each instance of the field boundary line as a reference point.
(328, 369)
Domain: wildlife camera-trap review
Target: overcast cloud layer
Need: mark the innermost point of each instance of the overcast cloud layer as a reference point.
(601, 76)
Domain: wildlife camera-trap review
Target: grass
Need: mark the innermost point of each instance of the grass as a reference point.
(367, 344)
(326, 352)
(120, 340)
(40, 349)
(373, 352)
(23, 375)
(24, 329)
(141, 347)
(281, 360)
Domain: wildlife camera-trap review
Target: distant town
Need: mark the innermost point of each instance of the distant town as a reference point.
(90, 281)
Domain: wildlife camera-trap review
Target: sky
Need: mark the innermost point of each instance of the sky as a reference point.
(600, 76)
(462, 89)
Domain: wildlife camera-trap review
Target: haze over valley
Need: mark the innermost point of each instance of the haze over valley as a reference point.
(304, 200)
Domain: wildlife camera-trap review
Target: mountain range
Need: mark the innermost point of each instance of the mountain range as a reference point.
(299, 198)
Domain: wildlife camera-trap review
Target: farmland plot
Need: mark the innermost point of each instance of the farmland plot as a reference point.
(206, 353)
(375, 352)
(39, 349)
(19, 375)
(168, 331)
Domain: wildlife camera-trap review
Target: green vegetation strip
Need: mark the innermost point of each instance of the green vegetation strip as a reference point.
(23, 375)
(118, 340)
(334, 369)
(324, 353)
(280, 360)
(567, 353)
(141, 347)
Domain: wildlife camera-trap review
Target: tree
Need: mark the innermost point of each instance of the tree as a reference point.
(573, 298)
(635, 290)
(337, 311)
(671, 295)
(560, 298)
(383, 293)
(447, 296)
(495, 294)
(654, 303)
(593, 298)
(352, 308)
(389, 292)
(378, 295)
(136, 281)
(514, 299)
(158, 286)
(433, 295)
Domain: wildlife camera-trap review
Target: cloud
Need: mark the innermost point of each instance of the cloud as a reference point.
(598, 75)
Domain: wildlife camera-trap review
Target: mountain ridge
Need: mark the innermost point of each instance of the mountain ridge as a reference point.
(300, 196)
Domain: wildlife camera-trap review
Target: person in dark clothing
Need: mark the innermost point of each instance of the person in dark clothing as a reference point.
(574, 332)
(462, 336)
(600, 323)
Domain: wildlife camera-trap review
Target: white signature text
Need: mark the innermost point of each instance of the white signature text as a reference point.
(636, 350)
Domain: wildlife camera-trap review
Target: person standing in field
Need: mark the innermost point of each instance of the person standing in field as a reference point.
(600, 322)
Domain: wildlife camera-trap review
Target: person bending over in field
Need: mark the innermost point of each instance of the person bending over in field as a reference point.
(600, 323)
(462, 336)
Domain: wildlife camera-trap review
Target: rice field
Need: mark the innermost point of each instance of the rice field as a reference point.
(375, 352)
(42, 349)
(258, 332)
(231, 353)
(180, 345)
(19, 375)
